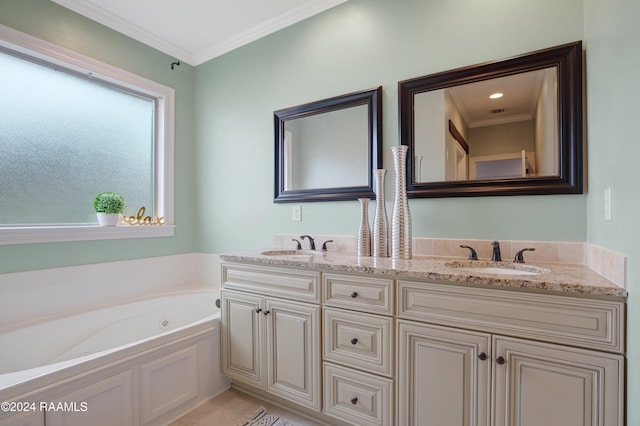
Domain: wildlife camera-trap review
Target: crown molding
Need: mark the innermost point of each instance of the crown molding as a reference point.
(95, 13)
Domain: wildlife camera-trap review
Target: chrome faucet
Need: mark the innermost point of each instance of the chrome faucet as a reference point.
(312, 243)
(495, 256)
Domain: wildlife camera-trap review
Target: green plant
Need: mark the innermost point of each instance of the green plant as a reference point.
(109, 202)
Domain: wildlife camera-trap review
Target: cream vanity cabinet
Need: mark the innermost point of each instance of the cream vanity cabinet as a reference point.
(358, 349)
(471, 356)
(270, 327)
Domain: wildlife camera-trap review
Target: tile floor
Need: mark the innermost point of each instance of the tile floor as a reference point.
(231, 407)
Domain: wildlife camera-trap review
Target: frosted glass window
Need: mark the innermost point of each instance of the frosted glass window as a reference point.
(64, 138)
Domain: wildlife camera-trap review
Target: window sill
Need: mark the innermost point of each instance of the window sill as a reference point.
(49, 234)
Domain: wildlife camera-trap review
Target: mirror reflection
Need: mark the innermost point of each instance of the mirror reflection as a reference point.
(328, 149)
(496, 129)
(317, 145)
(509, 127)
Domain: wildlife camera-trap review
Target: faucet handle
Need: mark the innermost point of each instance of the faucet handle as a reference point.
(472, 253)
(519, 257)
(324, 245)
(312, 242)
(299, 246)
(495, 255)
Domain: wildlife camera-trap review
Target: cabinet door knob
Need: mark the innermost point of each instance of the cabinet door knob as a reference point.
(258, 310)
(354, 400)
(500, 360)
(354, 340)
(266, 312)
(354, 294)
(482, 356)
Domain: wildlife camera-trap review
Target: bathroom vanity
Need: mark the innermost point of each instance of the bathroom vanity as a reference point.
(426, 341)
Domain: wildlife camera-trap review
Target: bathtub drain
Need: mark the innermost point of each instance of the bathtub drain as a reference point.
(165, 323)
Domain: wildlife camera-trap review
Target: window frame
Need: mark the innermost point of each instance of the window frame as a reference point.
(164, 149)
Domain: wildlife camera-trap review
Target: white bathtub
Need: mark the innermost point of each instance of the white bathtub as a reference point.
(103, 330)
(134, 349)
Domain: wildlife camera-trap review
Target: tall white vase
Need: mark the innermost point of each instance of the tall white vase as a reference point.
(401, 219)
(380, 228)
(364, 233)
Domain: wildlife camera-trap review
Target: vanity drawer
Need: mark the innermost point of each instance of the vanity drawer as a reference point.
(366, 294)
(287, 283)
(588, 323)
(358, 340)
(356, 397)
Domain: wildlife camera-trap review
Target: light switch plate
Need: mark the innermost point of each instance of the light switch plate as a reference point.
(296, 213)
(607, 204)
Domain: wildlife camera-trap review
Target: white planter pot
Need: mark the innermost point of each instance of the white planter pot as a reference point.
(108, 219)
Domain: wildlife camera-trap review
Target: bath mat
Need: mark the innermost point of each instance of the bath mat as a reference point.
(262, 418)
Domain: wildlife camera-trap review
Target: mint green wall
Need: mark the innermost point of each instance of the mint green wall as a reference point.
(612, 40)
(48, 21)
(359, 45)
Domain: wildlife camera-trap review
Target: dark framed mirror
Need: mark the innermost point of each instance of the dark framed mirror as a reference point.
(510, 127)
(327, 150)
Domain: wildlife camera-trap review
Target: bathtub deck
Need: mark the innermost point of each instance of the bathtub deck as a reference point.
(231, 407)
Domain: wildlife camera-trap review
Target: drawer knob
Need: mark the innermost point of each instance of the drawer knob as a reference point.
(354, 294)
(354, 400)
(354, 340)
(482, 356)
(266, 312)
(258, 310)
(500, 360)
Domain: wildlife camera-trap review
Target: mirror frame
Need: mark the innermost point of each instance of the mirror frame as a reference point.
(568, 60)
(373, 99)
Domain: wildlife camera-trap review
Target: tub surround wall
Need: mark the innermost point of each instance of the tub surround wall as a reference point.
(607, 263)
(33, 296)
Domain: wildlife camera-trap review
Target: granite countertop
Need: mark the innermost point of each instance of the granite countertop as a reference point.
(572, 279)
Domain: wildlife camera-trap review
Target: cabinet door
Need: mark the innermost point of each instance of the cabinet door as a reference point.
(443, 376)
(242, 337)
(553, 385)
(293, 351)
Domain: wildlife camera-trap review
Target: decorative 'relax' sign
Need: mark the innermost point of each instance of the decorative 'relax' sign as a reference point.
(141, 219)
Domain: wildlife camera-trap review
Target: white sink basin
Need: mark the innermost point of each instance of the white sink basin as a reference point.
(497, 268)
(291, 253)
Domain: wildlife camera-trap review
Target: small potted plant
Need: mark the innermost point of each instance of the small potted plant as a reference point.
(108, 207)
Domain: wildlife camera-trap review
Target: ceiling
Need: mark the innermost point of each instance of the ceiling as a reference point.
(195, 31)
(519, 102)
